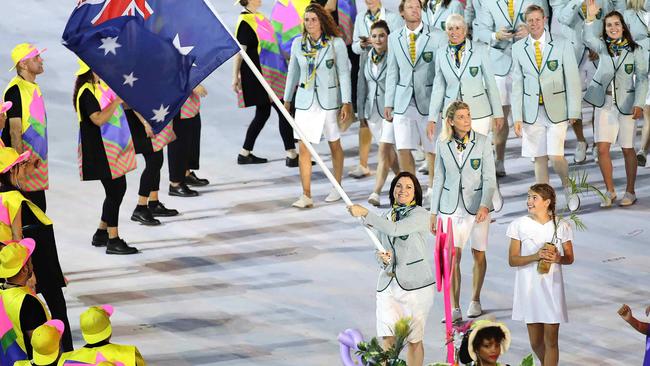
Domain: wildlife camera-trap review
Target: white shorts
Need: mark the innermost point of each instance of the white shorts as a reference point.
(587, 71)
(504, 84)
(612, 126)
(316, 122)
(467, 229)
(375, 123)
(410, 130)
(482, 125)
(647, 97)
(394, 303)
(387, 133)
(543, 138)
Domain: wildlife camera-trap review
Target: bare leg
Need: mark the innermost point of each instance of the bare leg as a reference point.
(142, 200)
(337, 159)
(431, 159)
(455, 280)
(365, 140)
(406, 161)
(605, 164)
(551, 349)
(112, 232)
(388, 342)
(478, 276)
(304, 164)
(561, 167)
(577, 129)
(536, 337)
(500, 136)
(387, 158)
(541, 169)
(153, 196)
(630, 169)
(415, 355)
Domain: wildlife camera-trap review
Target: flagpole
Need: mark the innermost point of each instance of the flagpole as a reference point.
(301, 134)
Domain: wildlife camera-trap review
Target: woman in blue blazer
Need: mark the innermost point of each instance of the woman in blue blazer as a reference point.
(618, 91)
(319, 69)
(437, 11)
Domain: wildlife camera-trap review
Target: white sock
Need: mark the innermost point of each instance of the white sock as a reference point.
(292, 154)
(244, 152)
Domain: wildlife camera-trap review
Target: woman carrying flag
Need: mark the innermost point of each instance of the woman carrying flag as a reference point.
(105, 151)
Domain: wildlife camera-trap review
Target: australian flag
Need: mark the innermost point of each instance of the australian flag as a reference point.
(152, 53)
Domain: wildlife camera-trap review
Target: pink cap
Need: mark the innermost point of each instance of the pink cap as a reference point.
(108, 309)
(56, 323)
(5, 106)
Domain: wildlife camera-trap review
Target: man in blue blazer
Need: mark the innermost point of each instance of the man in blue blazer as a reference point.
(409, 78)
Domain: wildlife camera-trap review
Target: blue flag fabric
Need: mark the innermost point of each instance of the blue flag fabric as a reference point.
(152, 53)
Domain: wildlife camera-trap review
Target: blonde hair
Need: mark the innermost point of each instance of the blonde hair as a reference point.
(635, 4)
(455, 20)
(447, 132)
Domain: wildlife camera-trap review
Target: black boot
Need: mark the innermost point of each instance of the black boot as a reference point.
(291, 162)
(158, 209)
(193, 180)
(100, 238)
(142, 215)
(119, 246)
(182, 190)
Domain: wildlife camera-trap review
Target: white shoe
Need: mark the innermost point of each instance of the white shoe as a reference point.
(418, 154)
(333, 196)
(474, 309)
(303, 202)
(580, 155)
(641, 157)
(424, 168)
(594, 151)
(359, 172)
(373, 199)
(572, 200)
(456, 316)
(500, 168)
(628, 199)
(610, 197)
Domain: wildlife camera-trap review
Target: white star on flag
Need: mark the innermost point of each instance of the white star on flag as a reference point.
(159, 114)
(129, 79)
(182, 50)
(109, 44)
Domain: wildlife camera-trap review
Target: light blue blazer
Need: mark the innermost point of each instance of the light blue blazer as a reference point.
(332, 85)
(573, 20)
(493, 17)
(629, 73)
(636, 23)
(467, 185)
(436, 19)
(411, 260)
(472, 11)
(362, 29)
(405, 80)
(558, 81)
(371, 88)
(472, 83)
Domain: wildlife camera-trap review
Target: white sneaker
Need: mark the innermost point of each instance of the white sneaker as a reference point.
(641, 157)
(360, 172)
(333, 196)
(572, 200)
(594, 151)
(474, 309)
(456, 316)
(610, 197)
(580, 155)
(628, 199)
(418, 154)
(500, 168)
(424, 168)
(303, 202)
(373, 199)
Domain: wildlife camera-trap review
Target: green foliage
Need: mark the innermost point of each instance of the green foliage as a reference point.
(578, 184)
(528, 361)
(372, 352)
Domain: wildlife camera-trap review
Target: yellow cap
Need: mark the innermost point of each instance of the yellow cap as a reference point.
(95, 323)
(83, 68)
(13, 257)
(24, 51)
(9, 157)
(45, 342)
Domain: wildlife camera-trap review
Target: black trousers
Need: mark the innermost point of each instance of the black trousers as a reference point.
(178, 151)
(354, 74)
(115, 190)
(262, 114)
(150, 178)
(195, 142)
(47, 269)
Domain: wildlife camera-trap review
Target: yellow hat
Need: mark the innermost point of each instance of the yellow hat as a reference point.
(95, 323)
(83, 68)
(45, 342)
(24, 51)
(9, 157)
(482, 324)
(13, 257)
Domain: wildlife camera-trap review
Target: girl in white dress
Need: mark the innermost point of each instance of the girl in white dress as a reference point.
(539, 298)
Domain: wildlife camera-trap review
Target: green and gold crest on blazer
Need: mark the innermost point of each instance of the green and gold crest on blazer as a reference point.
(475, 163)
(329, 63)
(552, 65)
(473, 70)
(629, 68)
(442, 25)
(427, 56)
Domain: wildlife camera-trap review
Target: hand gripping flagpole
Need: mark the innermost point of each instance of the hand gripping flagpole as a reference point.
(301, 134)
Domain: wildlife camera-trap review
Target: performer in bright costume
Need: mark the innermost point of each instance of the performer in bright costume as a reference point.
(45, 344)
(105, 152)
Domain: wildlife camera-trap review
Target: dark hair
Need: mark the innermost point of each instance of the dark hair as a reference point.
(327, 23)
(380, 24)
(416, 185)
(243, 3)
(548, 193)
(495, 333)
(626, 31)
(86, 77)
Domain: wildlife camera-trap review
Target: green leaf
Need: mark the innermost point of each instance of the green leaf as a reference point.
(528, 361)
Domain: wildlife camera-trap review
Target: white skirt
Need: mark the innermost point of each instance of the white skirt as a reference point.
(316, 122)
